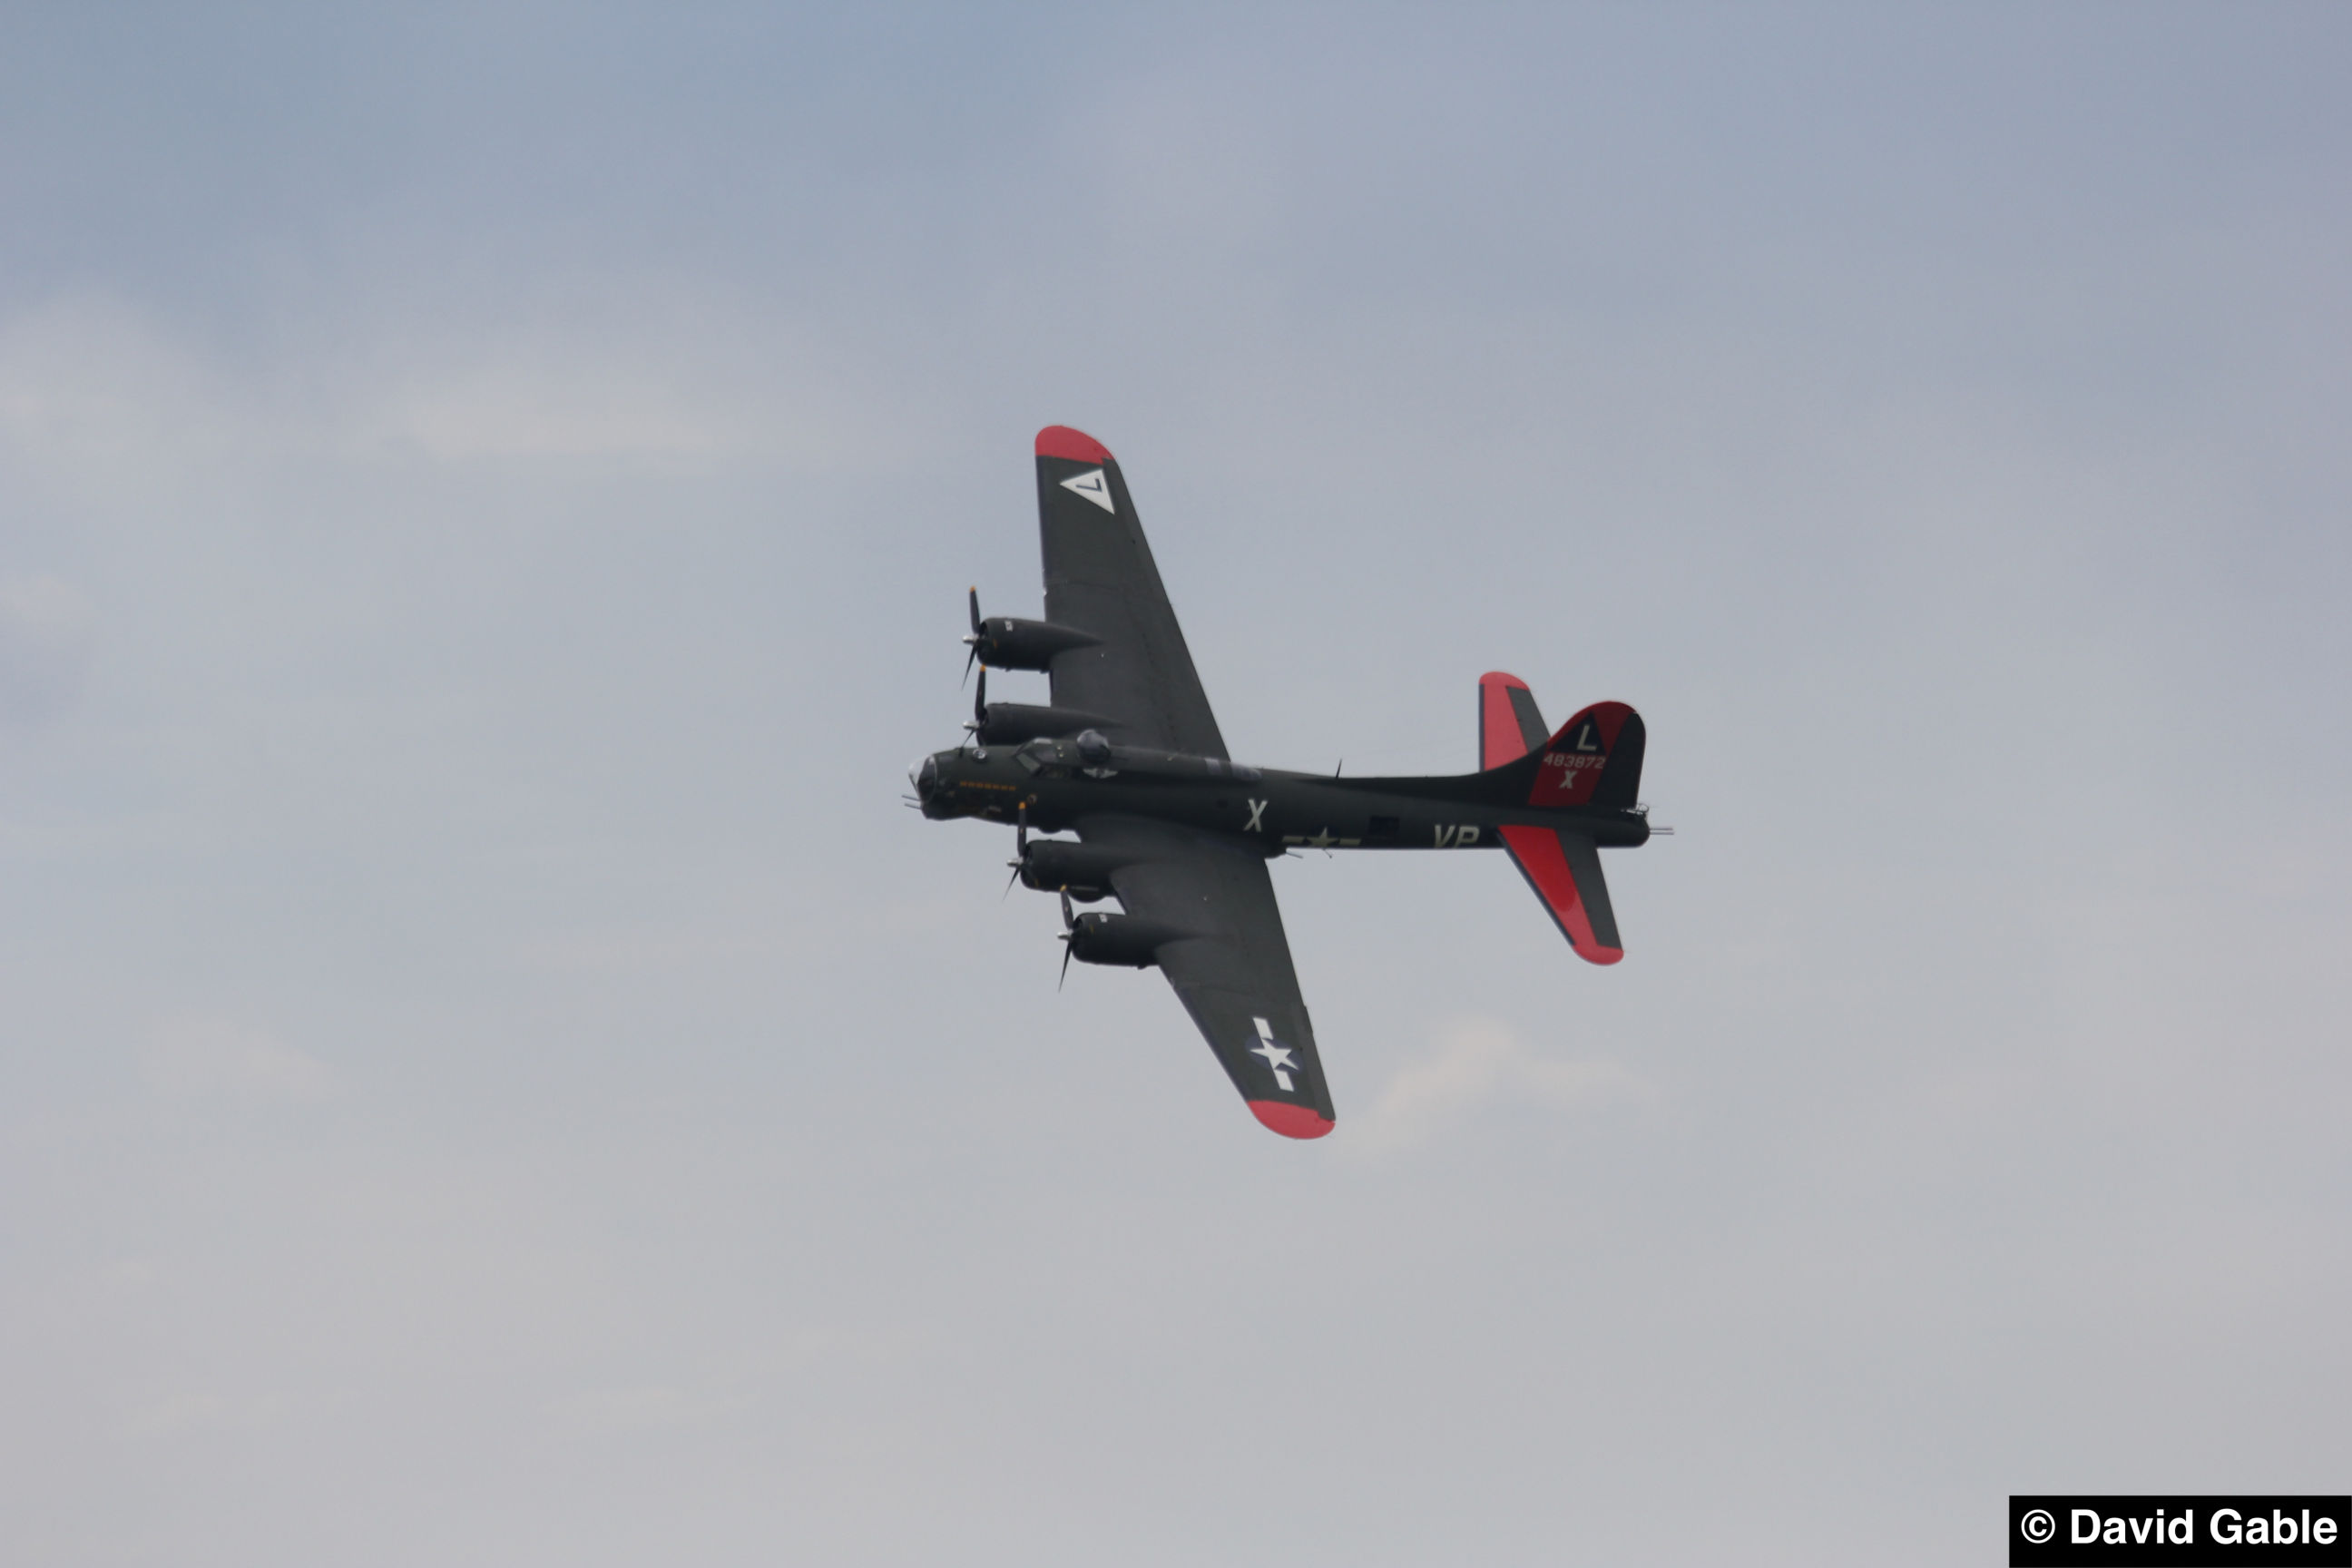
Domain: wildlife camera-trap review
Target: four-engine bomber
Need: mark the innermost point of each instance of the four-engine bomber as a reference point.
(1128, 757)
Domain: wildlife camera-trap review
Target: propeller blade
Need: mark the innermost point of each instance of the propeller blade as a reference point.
(1069, 934)
(973, 641)
(979, 701)
(1020, 849)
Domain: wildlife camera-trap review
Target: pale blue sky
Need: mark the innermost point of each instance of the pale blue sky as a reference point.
(489, 1073)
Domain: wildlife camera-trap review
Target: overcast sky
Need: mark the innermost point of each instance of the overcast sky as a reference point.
(490, 1073)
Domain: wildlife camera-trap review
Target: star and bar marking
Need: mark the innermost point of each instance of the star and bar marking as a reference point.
(1276, 1055)
(1321, 838)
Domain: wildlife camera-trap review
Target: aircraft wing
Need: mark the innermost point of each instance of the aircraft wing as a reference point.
(1100, 579)
(1233, 972)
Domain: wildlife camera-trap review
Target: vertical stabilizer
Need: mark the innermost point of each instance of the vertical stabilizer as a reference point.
(1510, 725)
(1595, 760)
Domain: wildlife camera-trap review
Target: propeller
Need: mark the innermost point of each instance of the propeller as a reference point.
(973, 641)
(980, 703)
(1020, 847)
(1069, 930)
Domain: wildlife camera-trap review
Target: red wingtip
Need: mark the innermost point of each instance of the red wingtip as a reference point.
(1506, 680)
(1290, 1121)
(1060, 441)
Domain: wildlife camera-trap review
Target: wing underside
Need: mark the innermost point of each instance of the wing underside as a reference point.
(1232, 968)
(1100, 579)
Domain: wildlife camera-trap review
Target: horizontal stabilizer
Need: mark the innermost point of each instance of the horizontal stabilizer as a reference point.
(1564, 868)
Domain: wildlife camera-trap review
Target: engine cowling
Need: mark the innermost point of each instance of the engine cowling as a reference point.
(1009, 724)
(1123, 940)
(1060, 865)
(1006, 642)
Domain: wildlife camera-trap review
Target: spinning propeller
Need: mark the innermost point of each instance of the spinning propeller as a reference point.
(1020, 849)
(979, 705)
(973, 642)
(1069, 938)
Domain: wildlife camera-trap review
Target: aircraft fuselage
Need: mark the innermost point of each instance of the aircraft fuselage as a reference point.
(1273, 808)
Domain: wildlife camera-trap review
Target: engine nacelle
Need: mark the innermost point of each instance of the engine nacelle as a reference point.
(1061, 865)
(1121, 940)
(1005, 642)
(1009, 724)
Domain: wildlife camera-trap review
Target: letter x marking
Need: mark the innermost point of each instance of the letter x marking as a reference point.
(1258, 814)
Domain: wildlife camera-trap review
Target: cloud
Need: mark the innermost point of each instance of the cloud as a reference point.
(95, 398)
(1479, 1061)
(192, 1057)
(525, 405)
(104, 398)
(90, 385)
(643, 377)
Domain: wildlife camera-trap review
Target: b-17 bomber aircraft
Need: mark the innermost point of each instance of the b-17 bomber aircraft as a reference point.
(1128, 756)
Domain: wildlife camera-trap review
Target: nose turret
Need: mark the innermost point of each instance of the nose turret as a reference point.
(932, 786)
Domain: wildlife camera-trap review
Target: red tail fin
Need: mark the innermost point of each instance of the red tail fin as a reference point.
(1510, 726)
(1595, 760)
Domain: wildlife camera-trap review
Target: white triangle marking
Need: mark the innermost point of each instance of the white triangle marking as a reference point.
(1094, 487)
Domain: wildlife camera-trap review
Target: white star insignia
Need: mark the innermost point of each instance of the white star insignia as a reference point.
(1276, 1055)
